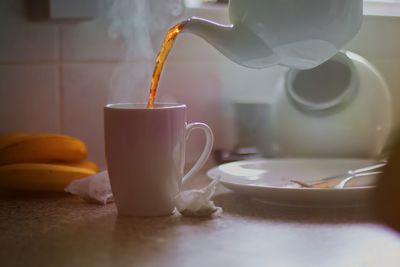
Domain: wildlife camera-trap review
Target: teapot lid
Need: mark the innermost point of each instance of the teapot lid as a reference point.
(325, 87)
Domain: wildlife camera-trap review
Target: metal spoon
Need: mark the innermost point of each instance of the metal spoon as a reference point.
(343, 178)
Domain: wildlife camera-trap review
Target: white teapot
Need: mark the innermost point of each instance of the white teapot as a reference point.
(341, 108)
(300, 34)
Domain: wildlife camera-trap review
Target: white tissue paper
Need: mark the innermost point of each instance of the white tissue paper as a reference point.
(192, 203)
(95, 188)
(197, 202)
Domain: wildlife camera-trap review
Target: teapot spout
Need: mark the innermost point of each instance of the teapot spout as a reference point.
(236, 42)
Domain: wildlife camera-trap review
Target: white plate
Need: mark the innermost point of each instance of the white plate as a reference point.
(270, 181)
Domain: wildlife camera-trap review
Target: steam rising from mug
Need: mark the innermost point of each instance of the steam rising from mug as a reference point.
(141, 26)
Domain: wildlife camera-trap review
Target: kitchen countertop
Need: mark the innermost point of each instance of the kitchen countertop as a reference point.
(63, 230)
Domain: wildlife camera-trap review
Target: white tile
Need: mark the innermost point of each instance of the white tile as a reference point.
(29, 98)
(378, 38)
(90, 40)
(199, 86)
(22, 40)
(191, 47)
(244, 85)
(85, 92)
(379, 42)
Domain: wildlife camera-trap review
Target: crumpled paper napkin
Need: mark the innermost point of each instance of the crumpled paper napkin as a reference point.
(191, 203)
(197, 202)
(95, 188)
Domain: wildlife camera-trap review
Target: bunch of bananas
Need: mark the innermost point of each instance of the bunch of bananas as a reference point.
(42, 162)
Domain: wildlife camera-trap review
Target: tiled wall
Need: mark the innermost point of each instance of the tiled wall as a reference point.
(57, 77)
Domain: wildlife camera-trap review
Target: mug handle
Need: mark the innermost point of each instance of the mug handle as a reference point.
(206, 151)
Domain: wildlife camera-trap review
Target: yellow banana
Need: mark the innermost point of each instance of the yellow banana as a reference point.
(86, 164)
(39, 176)
(44, 148)
(7, 139)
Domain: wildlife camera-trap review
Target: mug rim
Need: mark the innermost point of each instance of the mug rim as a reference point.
(142, 106)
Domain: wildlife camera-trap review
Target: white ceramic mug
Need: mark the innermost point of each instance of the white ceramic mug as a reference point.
(145, 150)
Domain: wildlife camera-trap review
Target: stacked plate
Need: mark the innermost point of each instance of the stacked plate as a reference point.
(270, 180)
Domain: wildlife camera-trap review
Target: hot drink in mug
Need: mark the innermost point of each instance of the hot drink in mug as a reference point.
(145, 151)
